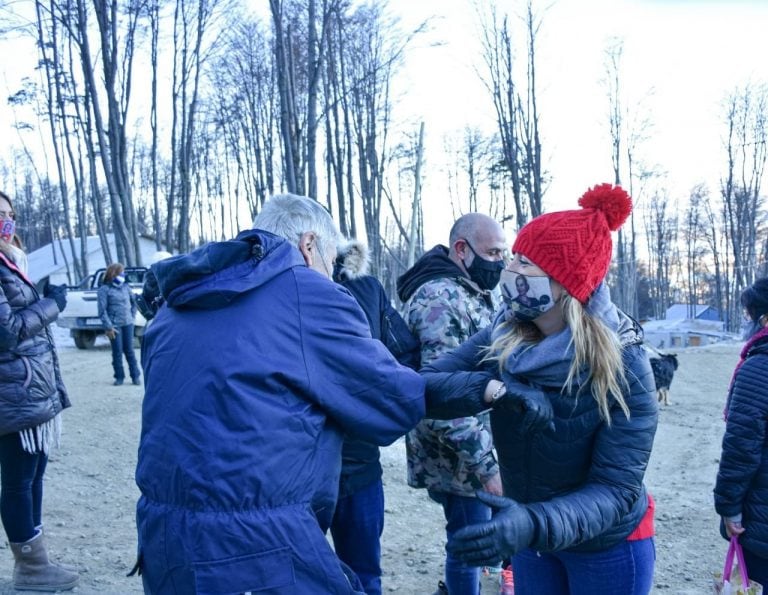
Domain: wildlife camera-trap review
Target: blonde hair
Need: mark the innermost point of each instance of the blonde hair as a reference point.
(595, 348)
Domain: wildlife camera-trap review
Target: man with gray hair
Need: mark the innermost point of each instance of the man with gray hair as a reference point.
(255, 369)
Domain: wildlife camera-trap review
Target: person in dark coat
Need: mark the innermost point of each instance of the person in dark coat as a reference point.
(573, 414)
(358, 522)
(32, 397)
(255, 369)
(741, 489)
(448, 296)
(117, 310)
(149, 300)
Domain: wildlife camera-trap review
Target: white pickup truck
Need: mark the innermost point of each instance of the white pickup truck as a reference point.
(81, 316)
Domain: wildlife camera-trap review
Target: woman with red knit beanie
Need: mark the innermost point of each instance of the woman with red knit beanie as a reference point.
(573, 414)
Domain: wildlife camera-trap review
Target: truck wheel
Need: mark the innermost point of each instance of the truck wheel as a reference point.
(84, 339)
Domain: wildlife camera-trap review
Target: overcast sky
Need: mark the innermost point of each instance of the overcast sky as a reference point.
(680, 58)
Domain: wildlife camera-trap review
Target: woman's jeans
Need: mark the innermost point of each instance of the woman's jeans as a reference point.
(21, 488)
(123, 344)
(460, 512)
(625, 568)
(356, 529)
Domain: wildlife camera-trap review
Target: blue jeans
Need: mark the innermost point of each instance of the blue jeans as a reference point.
(123, 344)
(625, 568)
(460, 512)
(21, 488)
(356, 530)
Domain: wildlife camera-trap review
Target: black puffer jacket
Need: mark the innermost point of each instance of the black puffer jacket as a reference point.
(31, 389)
(742, 479)
(360, 464)
(583, 480)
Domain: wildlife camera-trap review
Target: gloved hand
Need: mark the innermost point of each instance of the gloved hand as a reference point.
(58, 293)
(485, 544)
(530, 403)
(111, 333)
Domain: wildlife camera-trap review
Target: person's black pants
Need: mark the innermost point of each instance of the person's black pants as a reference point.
(21, 488)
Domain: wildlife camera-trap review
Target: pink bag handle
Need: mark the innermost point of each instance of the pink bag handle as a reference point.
(734, 549)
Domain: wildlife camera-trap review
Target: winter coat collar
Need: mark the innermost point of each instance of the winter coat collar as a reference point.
(217, 273)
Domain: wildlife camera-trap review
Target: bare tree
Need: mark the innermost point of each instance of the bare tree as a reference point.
(629, 129)
(694, 229)
(298, 78)
(516, 106)
(154, 27)
(746, 110)
(661, 231)
(193, 23)
(116, 24)
(50, 47)
(243, 77)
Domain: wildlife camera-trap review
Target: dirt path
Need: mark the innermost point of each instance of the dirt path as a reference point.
(90, 491)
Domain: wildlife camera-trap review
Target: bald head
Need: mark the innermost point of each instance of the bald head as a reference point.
(473, 227)
(476, 233)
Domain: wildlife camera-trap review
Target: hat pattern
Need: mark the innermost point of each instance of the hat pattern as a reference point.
(575, 247)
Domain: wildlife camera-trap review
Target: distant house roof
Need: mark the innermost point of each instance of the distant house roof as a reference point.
(683, 325)
(55, 256)
(680, 312)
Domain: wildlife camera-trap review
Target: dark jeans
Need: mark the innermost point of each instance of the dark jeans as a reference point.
(21, 488)
(460, 512)
(356, 529)
(625, 568)
(123, 344)
(757, 567)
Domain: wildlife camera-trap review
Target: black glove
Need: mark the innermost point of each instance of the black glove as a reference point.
(531, 404)
(58, 293)
(509, 531)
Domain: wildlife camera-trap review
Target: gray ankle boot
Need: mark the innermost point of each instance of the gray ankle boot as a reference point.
(34, 572)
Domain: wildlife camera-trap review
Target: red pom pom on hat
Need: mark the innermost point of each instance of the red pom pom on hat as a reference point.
(613, 201)
(575, 247)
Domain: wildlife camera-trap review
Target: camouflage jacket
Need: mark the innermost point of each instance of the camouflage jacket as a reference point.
(454, 456)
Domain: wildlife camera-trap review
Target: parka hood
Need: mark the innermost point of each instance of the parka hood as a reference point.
(352, 262)
(217, 273)
(434, 264)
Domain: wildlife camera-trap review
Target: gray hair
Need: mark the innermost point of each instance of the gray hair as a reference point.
(289, 216)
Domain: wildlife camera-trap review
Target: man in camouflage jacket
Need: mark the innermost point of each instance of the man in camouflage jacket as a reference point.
(448, 296)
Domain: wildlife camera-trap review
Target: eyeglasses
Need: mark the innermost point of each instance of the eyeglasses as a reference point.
(7, 215)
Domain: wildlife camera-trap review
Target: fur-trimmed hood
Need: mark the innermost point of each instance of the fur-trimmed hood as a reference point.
(353, 261)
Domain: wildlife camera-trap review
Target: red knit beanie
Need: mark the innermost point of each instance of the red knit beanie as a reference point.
(574, 247)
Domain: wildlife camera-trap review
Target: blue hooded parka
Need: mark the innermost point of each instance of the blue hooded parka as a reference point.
(255, 369)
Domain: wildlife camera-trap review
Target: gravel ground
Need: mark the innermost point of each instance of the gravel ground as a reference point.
(90, 492)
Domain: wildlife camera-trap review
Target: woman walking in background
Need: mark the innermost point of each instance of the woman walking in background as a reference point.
(117, 310)
(573, 414)
(741, 490)
(32, 395)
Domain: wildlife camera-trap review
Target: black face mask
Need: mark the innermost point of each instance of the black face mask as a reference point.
(486, 273)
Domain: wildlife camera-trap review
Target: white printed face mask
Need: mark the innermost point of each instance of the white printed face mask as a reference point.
(7, 229)
(526, 297)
